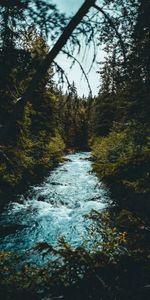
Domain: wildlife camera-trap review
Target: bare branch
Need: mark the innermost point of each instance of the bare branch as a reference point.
(114, 27)
(42, 70)
(82, 69)
(63, 74)
(44, 66)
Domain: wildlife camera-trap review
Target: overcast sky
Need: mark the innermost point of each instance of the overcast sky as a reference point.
(70, 7)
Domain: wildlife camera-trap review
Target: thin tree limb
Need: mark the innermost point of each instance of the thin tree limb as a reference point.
(82, 69)
(43, 68)
(62, 73)
(114, 27)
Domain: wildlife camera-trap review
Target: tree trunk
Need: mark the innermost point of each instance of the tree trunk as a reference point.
(43, 68)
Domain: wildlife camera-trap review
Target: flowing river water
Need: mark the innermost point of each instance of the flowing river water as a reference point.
(55, 208)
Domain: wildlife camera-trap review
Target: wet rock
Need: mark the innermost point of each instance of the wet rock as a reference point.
(67, 159)
(58, 183)
(87, 158)
(51, 209)
(64, 170)
(70, 151)
(11, 229)
(55, 183)
(41, 198)
(95, 198)
(63, 203)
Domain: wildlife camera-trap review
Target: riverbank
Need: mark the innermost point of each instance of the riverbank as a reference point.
(68, 193)
(56, 220)
(122, 161)
(24, 167)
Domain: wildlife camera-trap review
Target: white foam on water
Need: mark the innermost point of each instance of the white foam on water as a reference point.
(56, 207)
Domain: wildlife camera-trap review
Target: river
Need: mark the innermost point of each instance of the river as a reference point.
(55, 208)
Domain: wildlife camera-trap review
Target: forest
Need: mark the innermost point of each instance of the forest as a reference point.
(41, 123)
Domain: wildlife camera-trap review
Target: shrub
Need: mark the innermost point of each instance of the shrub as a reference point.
(124, 155)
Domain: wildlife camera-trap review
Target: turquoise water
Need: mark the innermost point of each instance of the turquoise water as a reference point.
(56, 207)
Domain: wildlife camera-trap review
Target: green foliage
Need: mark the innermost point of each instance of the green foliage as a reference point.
(105, 271)
(33, 144)
(117, 264)
(120, 113)
(124, 155)
(56, 147)
(71, 266)
(73, 120)
(104, 236)
(40, 131)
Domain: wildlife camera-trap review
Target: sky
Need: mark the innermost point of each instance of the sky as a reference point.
(70, 7)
